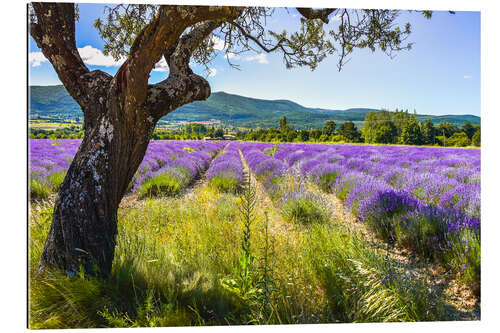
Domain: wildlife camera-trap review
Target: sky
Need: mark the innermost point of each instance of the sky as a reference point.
(439, 75)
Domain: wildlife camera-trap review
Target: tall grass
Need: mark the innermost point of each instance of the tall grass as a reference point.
(173, 255)
(56, 179)
(163, 184)
(227, 182)
(39, 189)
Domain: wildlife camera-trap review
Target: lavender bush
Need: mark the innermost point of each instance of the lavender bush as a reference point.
(182, 160)
(422, 198)
(226, 171)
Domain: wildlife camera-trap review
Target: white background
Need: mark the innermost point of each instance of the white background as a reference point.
(13, 185)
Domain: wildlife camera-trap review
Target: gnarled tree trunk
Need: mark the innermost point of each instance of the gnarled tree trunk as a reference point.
(84, 225)
(120, 114)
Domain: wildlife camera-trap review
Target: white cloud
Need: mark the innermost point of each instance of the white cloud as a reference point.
(219, 44)
(467, 77)
(212, 72)
(92, 56)
(261, 58)
(231, 55)
(36, 58)
(335, 17)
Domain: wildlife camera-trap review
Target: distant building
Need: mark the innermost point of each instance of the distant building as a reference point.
(225, 137)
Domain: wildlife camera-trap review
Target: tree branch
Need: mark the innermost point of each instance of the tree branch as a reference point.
(256, 40)
(178, 57)
(182, 86)
(155, 39)
(54, 34)
(175, 91)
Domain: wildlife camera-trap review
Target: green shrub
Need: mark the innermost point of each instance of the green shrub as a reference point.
(226, 183)
(165, 184)
(337, 138)
(304, 209)
(327, 179)
(476, 138)
(39, 189)
(56, 179)
(464, 257)
(459, 139)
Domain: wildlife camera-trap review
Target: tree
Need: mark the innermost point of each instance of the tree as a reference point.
(382, 127)
(121, 111)
(329, 128)
(283, 124)
(400, 118)
(386, 132)
(428, 132)
(476, 138)
(196, 128)
(315, 133)
(447, 129)
(370, 127)
(304, 135)
(219, 133)
(349, 131)
(411, 134)
(458, 139)
(291, 135)
(468, 129)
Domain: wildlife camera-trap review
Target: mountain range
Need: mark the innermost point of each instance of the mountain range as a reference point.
(54, 102)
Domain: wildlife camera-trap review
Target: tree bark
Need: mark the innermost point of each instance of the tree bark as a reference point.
(84, 224)
(120, 114)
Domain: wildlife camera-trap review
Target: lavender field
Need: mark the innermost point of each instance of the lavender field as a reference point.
(227, 212)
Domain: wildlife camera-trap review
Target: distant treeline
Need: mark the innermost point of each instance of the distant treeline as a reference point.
(70, 132)
(384, 127)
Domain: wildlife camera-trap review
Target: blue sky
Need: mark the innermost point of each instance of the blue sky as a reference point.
(439, 75)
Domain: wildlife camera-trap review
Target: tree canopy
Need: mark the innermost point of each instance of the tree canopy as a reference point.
(248, 31)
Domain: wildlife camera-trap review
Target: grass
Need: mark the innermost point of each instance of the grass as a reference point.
(175, 256)
(39, 189)
(226, 182)
(304, 209)
(56, 179)
(326, 180)
(425, 232)
(164, 184)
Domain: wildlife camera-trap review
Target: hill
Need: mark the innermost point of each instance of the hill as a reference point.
(55, 103)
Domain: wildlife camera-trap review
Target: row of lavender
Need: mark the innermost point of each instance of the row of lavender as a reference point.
(440, 177)
(177, 162)
(426, 199)
(185, 162)
(286, 188)
(226, 172)
(48, 162)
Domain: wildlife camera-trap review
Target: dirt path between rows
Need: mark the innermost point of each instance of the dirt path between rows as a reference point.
(276, 223)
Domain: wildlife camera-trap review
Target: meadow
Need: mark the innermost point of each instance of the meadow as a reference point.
(217, 233)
